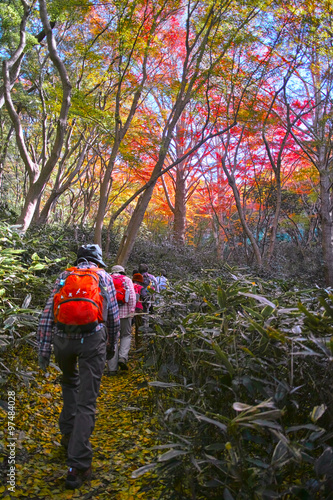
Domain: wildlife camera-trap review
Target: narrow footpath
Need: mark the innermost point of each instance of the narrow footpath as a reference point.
(122, 440)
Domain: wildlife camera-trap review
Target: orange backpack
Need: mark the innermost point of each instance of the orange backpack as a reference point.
(81, 302)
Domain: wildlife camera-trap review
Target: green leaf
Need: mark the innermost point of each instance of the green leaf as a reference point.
(311, 317)
(259, 328)
(253, 313)
(261, 299)
(157, 383)
(218, 424)
(310, 427)
(326, 306)
(223, 357)
(37, 267)
(207, 288)
(267, 311)
(159, 329)
(245, 349)
(142, 470)
(169, 455)
(221, 298)
(317, 412)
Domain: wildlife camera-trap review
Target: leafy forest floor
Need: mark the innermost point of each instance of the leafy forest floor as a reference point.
(122, 439)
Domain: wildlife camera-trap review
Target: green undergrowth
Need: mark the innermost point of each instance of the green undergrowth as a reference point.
(244, 388)
(231, 398)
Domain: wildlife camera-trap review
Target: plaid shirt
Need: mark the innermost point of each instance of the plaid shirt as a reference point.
(47, 327)
(127, 310)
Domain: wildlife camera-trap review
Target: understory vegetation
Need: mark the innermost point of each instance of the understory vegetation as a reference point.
(237, 366)
(243, 388)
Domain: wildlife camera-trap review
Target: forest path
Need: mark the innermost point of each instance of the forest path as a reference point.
(121, 440)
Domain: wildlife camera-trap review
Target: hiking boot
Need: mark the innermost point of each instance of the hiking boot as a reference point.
(122, 364)
(75, 477)
(64, 441)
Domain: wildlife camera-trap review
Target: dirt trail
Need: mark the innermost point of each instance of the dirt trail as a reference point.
(123, 435)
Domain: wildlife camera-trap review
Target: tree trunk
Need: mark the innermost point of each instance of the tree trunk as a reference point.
(179, 224)
(4, 151)
(104, 194)
(29, 207)
(220, 215)
(45, 212)
(274, 226)
(245, 226)
(133, 227)
(327, 226)
(39, 177)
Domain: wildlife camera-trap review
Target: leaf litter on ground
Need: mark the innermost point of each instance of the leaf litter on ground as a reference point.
(122, 441)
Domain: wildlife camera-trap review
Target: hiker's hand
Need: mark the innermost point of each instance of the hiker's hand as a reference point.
(43, 363)
(109, 351)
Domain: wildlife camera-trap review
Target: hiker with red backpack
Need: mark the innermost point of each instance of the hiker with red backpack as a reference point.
(126, 301)
(81, 319)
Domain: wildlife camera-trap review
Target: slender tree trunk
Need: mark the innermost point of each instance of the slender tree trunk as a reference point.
(128, 240)
(45, 212)
(326, 226)
(104, 193)
(219, 215)
(275, 223)
(4, 151)
(179, 224)
(245, 226)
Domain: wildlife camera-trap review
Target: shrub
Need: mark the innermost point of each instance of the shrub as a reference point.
(243, 389)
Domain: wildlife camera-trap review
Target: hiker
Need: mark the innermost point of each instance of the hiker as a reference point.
(150, 283)
(163, 284)
(142, 297)
(149, 280)
(84, 333)
(162, 280)
(126, 301)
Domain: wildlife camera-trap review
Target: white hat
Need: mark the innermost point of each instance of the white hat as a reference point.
(117, 270)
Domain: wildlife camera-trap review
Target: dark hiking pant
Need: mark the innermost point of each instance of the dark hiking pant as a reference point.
(137, 321)
(82, 363)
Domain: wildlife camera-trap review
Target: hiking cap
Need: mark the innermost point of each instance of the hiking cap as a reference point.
(92, 253)
(117, 270)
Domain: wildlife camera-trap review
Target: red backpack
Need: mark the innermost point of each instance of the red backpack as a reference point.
(81, 302)
(122, 291)
(138, 289)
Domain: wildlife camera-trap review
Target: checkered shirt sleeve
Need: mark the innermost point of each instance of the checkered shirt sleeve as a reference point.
(46, 323)
(113, 323)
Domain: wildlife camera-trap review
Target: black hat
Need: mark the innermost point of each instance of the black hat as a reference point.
(93, 253)
(143, 268)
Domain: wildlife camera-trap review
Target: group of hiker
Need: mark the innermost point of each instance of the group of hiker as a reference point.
(88, 318)
(135, 299)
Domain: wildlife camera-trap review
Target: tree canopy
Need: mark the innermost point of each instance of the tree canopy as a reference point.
(204, 120)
